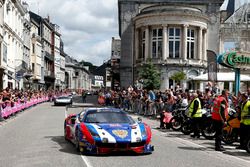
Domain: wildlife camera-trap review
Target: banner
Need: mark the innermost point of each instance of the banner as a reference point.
(212, 66)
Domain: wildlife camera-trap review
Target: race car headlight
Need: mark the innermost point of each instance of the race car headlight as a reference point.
(105, 140)
(93, 133)
(138, 139)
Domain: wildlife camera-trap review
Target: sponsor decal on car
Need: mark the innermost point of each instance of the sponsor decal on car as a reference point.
(120, 133)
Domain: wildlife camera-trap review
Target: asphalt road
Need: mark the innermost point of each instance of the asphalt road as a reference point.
(34, 138)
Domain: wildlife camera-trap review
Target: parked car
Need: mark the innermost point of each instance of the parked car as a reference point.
(89, 93)
(104, 130)
(63, 100)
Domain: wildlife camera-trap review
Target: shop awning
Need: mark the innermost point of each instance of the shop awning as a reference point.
(222, 76)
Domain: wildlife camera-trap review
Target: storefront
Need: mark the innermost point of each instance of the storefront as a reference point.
(238, 61)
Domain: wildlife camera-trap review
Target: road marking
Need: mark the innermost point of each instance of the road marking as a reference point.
(212, 153)
(65, 113)
(86, 161)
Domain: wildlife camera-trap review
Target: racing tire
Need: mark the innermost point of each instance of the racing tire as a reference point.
(175, 124)
(186, 128)
(65, 132)
(77, 141)
(228, 138)
(77, 145)
(209, 132)
(248, 145)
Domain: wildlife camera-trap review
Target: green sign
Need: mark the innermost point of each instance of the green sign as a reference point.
(235, 60)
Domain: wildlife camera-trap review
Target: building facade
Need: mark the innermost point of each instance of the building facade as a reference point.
(174, 35)
(56, 39)
(25, 68)
(62, 64)
(36, 58)
(76, 76)
(1, 42)
(235, 35)
(13, 58)
(115, 63)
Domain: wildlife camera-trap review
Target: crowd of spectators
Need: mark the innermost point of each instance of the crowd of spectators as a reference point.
(154, 102)
(10, 97)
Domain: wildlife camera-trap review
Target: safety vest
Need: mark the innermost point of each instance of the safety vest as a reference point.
(216, 108)
(245, 114)
(191, 109)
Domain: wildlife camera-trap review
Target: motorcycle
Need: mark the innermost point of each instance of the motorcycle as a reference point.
(206, 126)
(178, 117)
(231, 131)
(248, 144)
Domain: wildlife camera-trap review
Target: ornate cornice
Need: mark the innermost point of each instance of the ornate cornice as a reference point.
(170, 18)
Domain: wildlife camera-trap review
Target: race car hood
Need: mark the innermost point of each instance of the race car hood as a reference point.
(118, 133)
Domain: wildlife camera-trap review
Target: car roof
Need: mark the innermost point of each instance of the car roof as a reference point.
(104, 109)
(63, 97)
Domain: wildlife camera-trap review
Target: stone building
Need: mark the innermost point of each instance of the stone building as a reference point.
(45, 32)
(235, 35)
(174, 34)
(1, 44)
(62, 64)
(13, 52)
(36, 58)
(76, 76)
(24, 68)
(115, 63)
(56, 39)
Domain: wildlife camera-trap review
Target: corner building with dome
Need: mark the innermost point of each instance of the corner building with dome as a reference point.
(174, 34)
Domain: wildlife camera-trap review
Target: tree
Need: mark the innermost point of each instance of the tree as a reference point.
(84, 63)
(178, 76)
(150, 76)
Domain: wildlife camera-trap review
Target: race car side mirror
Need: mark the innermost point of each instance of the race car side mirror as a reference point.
(139, 119)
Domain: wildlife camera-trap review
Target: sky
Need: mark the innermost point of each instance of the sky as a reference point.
(86, 26)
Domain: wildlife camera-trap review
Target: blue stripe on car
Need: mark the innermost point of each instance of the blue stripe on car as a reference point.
(143, 132)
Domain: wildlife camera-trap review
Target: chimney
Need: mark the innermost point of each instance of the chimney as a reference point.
(48, 18)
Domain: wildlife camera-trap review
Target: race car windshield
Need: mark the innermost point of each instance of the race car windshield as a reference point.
(62, 97)
(108, 117)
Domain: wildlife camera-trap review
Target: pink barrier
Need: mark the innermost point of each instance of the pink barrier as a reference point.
(18, 106)
(14, 108)
(4, 112)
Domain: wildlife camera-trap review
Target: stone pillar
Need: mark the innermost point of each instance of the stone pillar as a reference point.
(137, 44)
(165, 50)
(200, 44)
(147, 43)
(231, 86)
(184, 42)
(205, 45)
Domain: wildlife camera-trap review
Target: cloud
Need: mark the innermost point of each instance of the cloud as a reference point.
(95, 53)
(86, 26)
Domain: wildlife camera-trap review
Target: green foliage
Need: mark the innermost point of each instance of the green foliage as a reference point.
(83, 63)
(178, 76)
(150, 76)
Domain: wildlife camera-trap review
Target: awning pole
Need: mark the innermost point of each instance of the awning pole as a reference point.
(237, 81)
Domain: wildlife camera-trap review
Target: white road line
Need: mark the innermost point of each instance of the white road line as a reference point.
(65, 113)
(86, 161)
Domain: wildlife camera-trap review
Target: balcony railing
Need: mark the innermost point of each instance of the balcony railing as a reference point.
(49, 56)
(48, 73)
